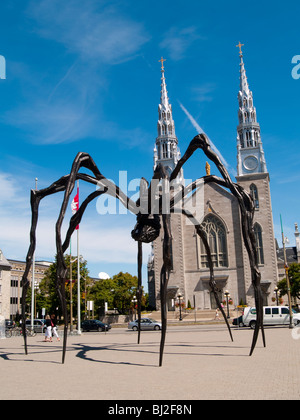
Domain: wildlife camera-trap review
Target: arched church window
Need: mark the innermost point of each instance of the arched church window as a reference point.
(217, 240)
(254, 195)
(241, 139)
(259, 243)
(248, 138)
(165, 150)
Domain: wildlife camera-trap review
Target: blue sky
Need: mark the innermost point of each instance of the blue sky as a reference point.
(85, 76)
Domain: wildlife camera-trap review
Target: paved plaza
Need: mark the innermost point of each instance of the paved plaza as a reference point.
(200, 362)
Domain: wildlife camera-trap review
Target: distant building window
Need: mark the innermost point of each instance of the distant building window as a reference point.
(216, 237)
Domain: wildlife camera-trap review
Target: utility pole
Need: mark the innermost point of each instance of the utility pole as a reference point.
(286, 267)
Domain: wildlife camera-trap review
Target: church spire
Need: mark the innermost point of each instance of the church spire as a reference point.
(250, 150)
(164, 100)
(166, 149)
(244, 87)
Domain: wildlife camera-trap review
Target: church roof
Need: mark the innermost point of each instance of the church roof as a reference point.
(4, 264)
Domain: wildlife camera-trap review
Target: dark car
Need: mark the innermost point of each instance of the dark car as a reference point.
(238, 321)
(94, 325)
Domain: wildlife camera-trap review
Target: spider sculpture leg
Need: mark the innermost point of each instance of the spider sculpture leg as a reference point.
(179, 198)
(66, 183)
(246, 211)
(139, 288)
(212, 282)
(81, 160)
(164, 279)
(35, 199)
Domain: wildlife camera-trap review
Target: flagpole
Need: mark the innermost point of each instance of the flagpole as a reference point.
(33, 281)
(78, 274)
(71, 291)
(286, 267)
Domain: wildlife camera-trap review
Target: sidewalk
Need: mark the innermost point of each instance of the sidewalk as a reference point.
(200, 362)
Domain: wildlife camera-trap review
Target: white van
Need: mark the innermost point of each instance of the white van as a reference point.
(273, 315)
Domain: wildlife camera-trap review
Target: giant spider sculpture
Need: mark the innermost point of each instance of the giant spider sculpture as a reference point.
(147, 229)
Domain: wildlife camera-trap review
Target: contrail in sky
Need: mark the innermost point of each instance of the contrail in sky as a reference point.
(200, 131)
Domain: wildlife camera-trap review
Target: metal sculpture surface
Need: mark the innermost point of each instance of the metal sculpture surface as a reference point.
(149, 217)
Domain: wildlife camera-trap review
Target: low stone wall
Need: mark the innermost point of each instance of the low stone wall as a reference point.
(202, 315)
(116, 319)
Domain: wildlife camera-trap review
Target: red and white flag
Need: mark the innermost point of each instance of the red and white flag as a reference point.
(75, 204)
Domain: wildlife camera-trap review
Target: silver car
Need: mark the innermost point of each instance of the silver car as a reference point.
(146, 324)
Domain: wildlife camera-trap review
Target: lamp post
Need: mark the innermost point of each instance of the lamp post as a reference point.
(179, 296)
(276, 293)
(134, 301)
(227, 296)
(36, 286)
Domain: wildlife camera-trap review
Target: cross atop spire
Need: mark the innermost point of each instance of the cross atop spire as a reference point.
(166, 151)
(162, 63)
(239, 45)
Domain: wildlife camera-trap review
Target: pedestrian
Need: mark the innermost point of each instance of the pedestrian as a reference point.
(217, 314)
(54, 327)
(48, 334)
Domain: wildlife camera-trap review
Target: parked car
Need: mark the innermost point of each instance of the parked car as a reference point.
(273, 315)
(238, 321)
(38, 325)
(94, 325)
(146, 324)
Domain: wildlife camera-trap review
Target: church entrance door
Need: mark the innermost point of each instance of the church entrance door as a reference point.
(213, 303)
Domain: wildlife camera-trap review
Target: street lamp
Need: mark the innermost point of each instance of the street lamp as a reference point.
(134, 301)
(179, 296)
(227, 296)
(276, 293)
(36, 287)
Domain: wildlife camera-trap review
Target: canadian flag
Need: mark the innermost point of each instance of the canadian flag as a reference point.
(75, 204)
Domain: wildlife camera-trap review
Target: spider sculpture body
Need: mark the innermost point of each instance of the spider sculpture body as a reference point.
(151, 218)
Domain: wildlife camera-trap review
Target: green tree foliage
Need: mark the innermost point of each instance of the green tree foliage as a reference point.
(118, 292)
(47, 296)
(294, 276)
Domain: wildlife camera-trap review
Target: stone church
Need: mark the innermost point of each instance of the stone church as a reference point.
(220, 218)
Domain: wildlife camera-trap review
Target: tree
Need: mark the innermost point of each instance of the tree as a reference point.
(294, 276)
(47, 296)
(118, 292)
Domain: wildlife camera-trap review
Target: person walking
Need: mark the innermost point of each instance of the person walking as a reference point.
(217, 316)
(54, 327)
(48, 333)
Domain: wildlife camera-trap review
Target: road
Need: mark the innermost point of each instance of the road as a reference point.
(200, 362)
